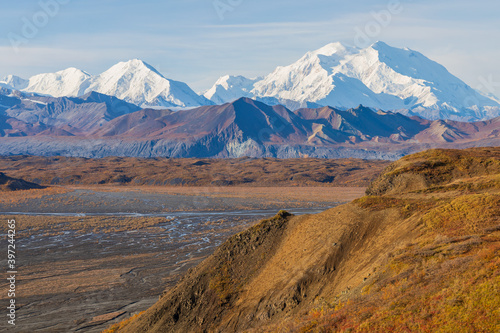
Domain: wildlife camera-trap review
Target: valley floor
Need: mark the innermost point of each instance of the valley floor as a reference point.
(92, 255)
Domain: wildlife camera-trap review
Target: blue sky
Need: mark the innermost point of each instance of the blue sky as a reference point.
(192, 41)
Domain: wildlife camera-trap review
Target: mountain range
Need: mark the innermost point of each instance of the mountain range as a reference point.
(97, 125)
(133, 81)
(26, 114)
(380, 77)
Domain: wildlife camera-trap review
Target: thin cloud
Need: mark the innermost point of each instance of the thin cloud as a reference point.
(196, 47)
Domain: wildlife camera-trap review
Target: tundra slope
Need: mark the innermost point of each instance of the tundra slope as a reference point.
(421, 252)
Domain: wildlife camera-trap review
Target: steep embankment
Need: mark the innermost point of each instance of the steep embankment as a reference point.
(421, 252)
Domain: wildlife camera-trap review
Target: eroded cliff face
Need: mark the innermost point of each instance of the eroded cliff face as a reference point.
(377, 264)
(211, 147)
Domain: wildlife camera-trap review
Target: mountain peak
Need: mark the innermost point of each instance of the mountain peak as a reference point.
(14, 82)
(136, 61)
(11, 78)
(133, 65)
(64, 83)
(380, 76)
(72, 71)
(232, 79)
(229, 88)
(336, 48)
(140, 63)
(137, 82)
(245, 100)
(386, 49)
(380, 44)
(134, 81)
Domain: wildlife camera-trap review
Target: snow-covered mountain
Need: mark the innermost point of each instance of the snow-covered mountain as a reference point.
(133, 81)
(379, 76)
(229, 88)
(137, 82)
(70, 82)
(14, 82)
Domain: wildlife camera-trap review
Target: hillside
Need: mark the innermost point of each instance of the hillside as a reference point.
(420, 252)
(8, 184)
(32, 115)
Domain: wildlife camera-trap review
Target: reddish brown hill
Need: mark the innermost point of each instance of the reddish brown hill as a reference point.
(138, 124)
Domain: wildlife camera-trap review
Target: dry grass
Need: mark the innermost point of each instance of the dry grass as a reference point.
(116, 327)
(447, 277)
(13, 197)
(437, 168)
(465, 214)
(451, 285)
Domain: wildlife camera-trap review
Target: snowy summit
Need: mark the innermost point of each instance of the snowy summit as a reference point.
(133, 81)
(380, 76)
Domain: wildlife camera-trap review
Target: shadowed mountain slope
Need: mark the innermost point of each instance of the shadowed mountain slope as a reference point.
(13, 184)
(30, 114)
